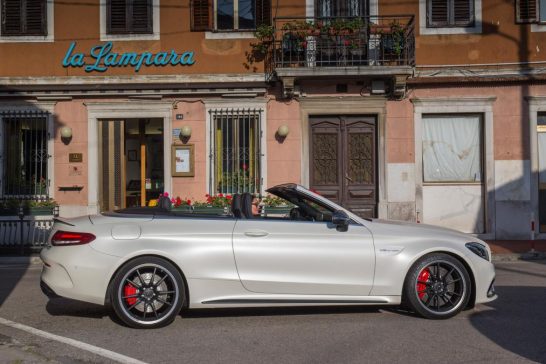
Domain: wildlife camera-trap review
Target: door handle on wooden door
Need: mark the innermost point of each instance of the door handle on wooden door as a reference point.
(256, 233)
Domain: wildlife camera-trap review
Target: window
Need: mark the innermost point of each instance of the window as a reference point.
(344, 8)
(24, 17)
(452, 148)
(129, 16)
(235, 143)
(25, 155)
(450, 13)
(229, 14)
(531, 11)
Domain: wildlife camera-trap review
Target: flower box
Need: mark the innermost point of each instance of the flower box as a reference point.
(210, 210)
(185, 208)
(40, 211)
(277, 210)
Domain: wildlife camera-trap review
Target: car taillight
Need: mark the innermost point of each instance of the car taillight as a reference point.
(71, 238)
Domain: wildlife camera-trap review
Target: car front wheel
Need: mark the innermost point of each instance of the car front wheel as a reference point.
(147, 292)
(437, 286)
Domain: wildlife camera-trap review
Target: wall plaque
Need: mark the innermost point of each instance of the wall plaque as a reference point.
(75, 157)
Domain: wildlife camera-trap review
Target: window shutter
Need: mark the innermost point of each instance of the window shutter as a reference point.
(201, 15)
(463, 12)
(117, 16)
(24, 17)
(263, 12)
(527, 11)
(437, 13)
(141, 21)
(11, 17)
(35, 22)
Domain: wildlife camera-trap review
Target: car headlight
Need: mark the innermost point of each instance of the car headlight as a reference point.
(478, 249)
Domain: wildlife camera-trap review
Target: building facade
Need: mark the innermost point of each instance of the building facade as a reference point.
(431, 110)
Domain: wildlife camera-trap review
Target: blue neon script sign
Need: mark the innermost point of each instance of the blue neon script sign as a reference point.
(104, 58)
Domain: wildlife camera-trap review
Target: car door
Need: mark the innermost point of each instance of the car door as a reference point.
(303, 257)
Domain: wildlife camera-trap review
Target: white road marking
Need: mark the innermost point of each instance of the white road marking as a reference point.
(77, 344)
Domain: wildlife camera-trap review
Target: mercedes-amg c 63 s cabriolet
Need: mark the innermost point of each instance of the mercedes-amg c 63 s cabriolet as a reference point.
(149, 263)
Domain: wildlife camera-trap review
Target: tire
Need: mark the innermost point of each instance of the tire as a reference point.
(147, 292)
(437, 286)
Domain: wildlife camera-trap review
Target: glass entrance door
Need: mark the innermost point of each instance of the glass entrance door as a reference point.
(131, 162)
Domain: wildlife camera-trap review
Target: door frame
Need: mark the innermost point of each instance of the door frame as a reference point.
(342, 121)
(137, 109)
(348, 106)
(459, 105)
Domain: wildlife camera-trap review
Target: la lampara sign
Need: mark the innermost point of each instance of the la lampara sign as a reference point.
(103, 57)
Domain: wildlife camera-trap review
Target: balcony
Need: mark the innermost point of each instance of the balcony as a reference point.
(376, 46)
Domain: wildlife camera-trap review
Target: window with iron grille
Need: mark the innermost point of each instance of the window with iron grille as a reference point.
(450, 13)
(530, 11)
(229, 14)
(343, 8)
(129, 16)
(23, 17)
(25, 155)
(235, 150)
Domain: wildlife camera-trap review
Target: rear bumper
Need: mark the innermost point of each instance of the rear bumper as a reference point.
(76, 272)
(47, 290)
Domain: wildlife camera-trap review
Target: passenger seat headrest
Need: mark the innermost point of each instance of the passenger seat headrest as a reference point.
(236, 206)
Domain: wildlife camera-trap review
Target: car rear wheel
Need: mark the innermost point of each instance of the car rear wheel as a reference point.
(147, 292)
(437, 286)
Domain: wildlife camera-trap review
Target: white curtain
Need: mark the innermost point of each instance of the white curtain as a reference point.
(451, 148)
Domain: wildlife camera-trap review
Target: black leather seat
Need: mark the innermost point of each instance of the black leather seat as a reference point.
(246, 202)
(164, 203)
(236, 206)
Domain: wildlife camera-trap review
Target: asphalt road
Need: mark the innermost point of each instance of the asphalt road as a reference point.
(511, 329)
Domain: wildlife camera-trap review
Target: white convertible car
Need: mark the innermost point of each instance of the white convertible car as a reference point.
(149, 263)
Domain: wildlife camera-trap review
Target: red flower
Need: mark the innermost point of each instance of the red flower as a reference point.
(245, 167)
(207, 195)
(188, 202)
(228, 197)
(220, 195)
(166, 194)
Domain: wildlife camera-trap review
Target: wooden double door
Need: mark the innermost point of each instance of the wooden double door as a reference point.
(343, 161)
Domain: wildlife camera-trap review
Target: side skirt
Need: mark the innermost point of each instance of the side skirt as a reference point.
(243, 301)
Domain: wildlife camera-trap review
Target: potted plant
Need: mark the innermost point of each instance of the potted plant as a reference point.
(181, 205)
(273, 205)
(218, 204)
(264, 35)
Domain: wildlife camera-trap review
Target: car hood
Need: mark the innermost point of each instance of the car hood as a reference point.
(415, 229)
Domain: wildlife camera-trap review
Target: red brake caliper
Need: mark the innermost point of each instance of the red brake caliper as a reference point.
(130, 290)
(423, 277)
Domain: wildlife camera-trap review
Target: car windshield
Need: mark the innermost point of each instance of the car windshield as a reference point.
(298, 206)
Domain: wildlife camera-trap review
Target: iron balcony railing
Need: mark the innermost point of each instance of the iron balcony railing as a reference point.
(344, 42)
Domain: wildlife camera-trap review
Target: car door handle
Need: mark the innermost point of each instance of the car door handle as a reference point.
(256, 233)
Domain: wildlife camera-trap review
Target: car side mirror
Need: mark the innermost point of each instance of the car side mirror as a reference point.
(341, 220)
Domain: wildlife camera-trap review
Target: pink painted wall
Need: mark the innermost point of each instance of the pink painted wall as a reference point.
(283, 156)
(74, 115)
(400, 135)
(193, 188)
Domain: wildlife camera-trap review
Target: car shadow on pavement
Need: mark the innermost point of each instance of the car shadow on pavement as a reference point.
(11, 271)
(68, 307)
(516, 321)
